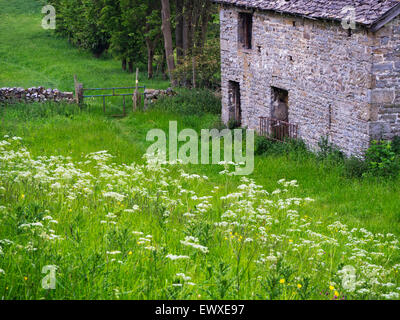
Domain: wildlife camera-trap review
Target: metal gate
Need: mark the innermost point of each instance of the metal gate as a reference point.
(278, 130)
(80, 94)
(114, 94)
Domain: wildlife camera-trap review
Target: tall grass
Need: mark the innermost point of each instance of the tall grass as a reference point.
(32, 56)
(191, 102)
(63, 204)
(152, 231)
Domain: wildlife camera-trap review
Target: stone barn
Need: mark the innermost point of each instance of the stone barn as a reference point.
(313, 69)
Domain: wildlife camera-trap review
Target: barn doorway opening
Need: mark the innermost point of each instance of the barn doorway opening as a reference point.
(234, 103)
(280, 113)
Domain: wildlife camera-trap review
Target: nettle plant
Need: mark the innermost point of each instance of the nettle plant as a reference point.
(382, 159)
(154, 231)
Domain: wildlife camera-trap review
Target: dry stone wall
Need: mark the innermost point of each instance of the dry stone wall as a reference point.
(30, 95)
(152, 95)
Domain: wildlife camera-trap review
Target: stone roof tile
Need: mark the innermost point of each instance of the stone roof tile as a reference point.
(367, 12)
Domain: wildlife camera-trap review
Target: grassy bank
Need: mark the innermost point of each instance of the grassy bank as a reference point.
(119, 231)
(32, 56)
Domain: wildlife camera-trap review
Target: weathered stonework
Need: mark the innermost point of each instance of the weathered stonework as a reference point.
(30, 95)
(344, 86)
(385, 99)
(152, 95)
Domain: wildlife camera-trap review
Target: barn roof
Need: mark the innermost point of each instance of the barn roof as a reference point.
(371, 13)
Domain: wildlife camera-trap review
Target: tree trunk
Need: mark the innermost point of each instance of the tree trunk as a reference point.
(206, 16)
(150, 59)
(194, 72)
(163, 67)
(130, 64)
(164, 71)
(124, 64)
(167, 32)
(187, 28)
(179, 30)
(151, 45)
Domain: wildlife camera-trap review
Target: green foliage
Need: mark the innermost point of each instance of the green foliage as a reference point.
(262, 145)
(298, 146)
(207, 67)
(328, 152)
(130, 30)
(219, 125)
(118, 25)
(79, 20)
(355, 167)
(381, 159)
(275, 282)
(396, 145)
(39, 58)
(233, 124)
(216, 277)
(96, 219)
(191, 102)
(86, 271)
(294, 148)
(111, 23)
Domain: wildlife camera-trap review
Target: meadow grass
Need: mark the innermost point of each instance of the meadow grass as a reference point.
(32, 56)
(203, 238)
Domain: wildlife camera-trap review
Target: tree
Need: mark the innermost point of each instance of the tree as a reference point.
(195, 66)
(133, 22)
(152, 33)
(111, 21)
(167, 32)
(179, 30)
(79, 21)
(139, 31)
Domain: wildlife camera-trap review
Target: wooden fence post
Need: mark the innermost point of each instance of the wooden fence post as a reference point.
(194, 72)
(136, 95)
(78, 91)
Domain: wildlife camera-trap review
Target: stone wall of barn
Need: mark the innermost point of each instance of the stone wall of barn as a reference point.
(385, 97)
(326, 72)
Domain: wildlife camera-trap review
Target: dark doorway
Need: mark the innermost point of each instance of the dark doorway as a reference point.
(280, 113)
(234, 103)
(280, 104)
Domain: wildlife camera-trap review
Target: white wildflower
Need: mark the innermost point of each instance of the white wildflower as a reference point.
(175, 257)
(113, 253)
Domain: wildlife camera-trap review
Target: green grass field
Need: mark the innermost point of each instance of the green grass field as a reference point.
(86, 213)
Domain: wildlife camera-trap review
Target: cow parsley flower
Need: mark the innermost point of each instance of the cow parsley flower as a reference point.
(175, 257)
(113, 253)
(194, 243)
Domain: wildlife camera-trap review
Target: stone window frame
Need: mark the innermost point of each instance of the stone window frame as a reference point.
(245, 30)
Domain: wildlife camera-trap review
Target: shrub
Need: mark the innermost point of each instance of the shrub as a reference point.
(381, 159)
(355, 167)
(233, 124)
(298, 145)
(329, 152)
(191, 102)
(293, 147)
(207, 67)
(219, 125)
(396, 145)
(262, 145)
